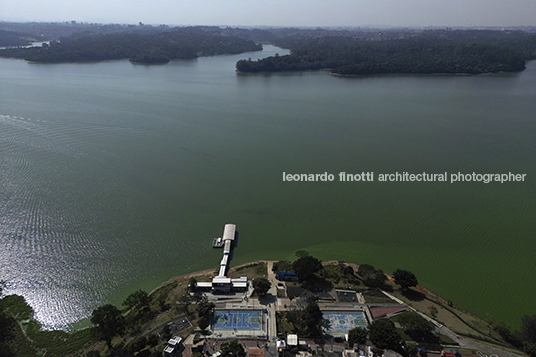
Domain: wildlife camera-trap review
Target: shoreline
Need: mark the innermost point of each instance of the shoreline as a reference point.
(214, 272)
(204, 273)
(465, 323)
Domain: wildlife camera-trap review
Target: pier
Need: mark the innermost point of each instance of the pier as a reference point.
(222, 283)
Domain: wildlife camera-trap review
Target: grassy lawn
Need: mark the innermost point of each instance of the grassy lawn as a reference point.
(60, 343)
(448, 319)
(377, 300)
(251, 271)
(445, 340)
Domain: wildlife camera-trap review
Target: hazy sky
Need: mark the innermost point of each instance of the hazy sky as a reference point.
(278, 12)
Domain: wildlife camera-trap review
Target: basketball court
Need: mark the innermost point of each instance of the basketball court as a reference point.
(237, 320)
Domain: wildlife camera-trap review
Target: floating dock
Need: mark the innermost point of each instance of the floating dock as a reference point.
(217, 243)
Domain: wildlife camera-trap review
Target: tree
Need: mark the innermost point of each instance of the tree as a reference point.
(405, 279)
(138, 299)
(261, 286)
(232, 349)
(528, 328)
(371, 276)
(192, 284)
(416, 327)
(514, 338)
(528, 334)
(152, 340)
(380, 277)
(305, 267)
(138, 344)
(203, 323)
(348, 270)
(313, 318)
(185, 300)
(166, 333)
(306, 322)
(9, 338)
(366, 271)
(412, 349)
(530, 348)
(357, 335)
(382, 333)
(282, 265)
(204, 310)
(109, 322)
(433, 311)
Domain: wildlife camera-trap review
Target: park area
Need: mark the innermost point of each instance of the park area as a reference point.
(342, 322)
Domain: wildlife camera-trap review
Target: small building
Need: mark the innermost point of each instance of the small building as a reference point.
(204, 286)
(240, 284)
(221, 284)
(229, 232)
(292, 340)
(173, 346)
(286, 276)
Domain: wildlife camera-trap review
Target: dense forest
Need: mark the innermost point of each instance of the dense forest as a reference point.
(343, 51)
(148, 47)
(432, 51)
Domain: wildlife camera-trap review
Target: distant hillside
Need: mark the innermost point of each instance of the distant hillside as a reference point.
(11, 38)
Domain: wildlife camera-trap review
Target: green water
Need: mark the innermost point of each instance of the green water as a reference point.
(115, 177)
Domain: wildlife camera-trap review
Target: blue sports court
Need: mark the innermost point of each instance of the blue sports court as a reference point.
(237, 320)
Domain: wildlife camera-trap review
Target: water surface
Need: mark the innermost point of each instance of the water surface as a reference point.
(116, 176)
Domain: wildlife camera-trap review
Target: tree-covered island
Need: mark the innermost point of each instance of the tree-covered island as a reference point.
(411, 51)
(157, 46)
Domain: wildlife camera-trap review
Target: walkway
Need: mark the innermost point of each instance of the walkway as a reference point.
(462, 342)
(272, 321)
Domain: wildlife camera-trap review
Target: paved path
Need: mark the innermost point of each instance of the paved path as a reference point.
(462, 342)
(272, 328)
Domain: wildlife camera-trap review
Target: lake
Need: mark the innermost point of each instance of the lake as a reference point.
(116, 177)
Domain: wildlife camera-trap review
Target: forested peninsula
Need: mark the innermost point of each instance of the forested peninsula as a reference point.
(154, 45)
(412, 51)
